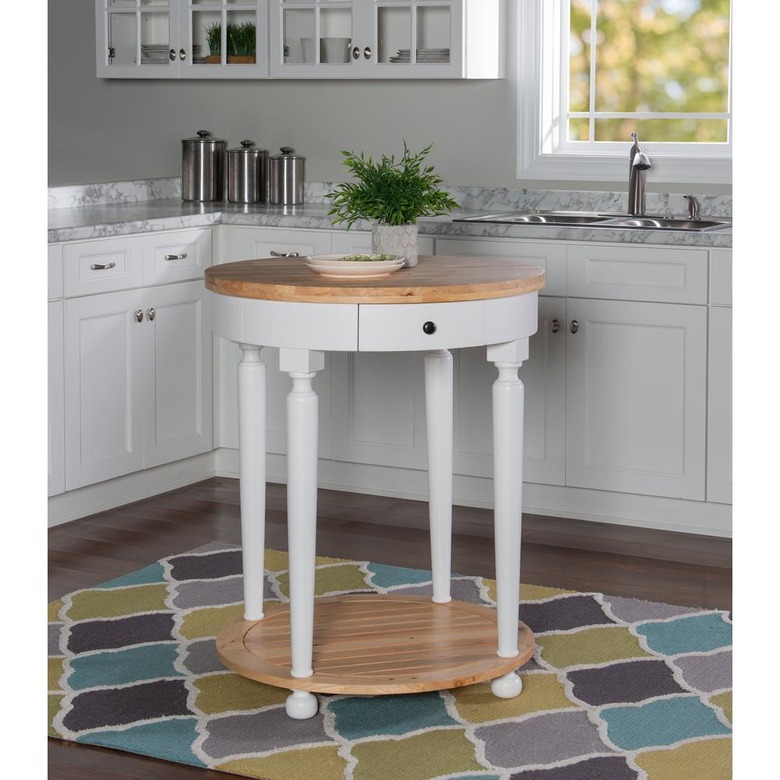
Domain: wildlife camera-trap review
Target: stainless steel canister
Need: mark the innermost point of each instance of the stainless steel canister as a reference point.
(247, 174)
(285, 177)
(203, 168)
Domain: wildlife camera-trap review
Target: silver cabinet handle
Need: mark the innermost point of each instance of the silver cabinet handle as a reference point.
(367, 52)
(574, 326)
(139, 315)
(555, 326)
(150, 313)
(172, 55)
(356, 53)
(284, 254)
(182, 54)
(180, 256)
(102, 266)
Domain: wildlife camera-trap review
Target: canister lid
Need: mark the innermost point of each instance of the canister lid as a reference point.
(203, 137)
(247, 147)
(286, 153)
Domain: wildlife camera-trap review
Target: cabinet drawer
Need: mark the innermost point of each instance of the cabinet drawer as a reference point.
(391, 328)
(176, 257)
(630, 273)
(104, 265)
(54, 276)
(546, 255)
(238, 242)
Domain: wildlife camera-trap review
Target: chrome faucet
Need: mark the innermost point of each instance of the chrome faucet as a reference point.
(639, 162)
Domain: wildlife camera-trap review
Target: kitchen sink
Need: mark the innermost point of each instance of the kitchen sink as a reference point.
(665, 223)
(599, 219)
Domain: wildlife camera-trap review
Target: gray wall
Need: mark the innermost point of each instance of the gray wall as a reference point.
(116, 129)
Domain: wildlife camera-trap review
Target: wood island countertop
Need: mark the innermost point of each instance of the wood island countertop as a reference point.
(435, 279)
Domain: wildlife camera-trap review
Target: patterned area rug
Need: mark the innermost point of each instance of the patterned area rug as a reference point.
(618, 689)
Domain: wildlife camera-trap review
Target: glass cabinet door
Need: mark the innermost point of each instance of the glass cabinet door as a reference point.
(313, 36)
(416, 38)
(224, 38)
(135, 38)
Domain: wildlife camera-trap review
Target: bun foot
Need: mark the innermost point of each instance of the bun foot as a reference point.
(301, 705)
(507, 687)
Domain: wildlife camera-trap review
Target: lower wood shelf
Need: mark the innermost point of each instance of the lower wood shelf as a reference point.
(376, 644)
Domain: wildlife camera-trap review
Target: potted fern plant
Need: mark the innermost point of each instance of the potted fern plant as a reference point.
(392, 195)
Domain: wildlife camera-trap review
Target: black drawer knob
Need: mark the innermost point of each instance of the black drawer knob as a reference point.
(429, 327)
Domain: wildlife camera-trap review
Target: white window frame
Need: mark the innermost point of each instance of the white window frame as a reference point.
(542, 150)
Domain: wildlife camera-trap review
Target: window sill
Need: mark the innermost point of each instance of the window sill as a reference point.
(614, 168)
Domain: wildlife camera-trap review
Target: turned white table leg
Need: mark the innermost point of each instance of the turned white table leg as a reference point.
(302, 429)
(508, 401)
(251, 417)
(438, 415)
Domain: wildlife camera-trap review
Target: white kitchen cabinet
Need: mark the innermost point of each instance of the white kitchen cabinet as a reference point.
(615, 389)
(137, 380)
(719, 406)
(202, 39)
(636, 379)
(55, 380)
(396, 39)
(137, 359)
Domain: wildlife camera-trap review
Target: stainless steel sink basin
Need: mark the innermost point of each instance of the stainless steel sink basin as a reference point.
(665, 223)
(596, 219)
(542, 218)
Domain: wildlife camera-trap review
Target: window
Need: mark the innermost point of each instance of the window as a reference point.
(593, 71)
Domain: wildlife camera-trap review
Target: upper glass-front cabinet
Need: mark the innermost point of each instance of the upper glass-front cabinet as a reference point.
(182, 38)
(319, 39)
(386, 39)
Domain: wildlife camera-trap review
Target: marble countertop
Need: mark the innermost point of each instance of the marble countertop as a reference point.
(101, 221)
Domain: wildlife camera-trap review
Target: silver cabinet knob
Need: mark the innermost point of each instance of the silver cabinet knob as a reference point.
(182, 54)
(139, 315)
(172, 55)
(150, 313)
(180, 256)
(555, 326)
(102, 266)
(574, 326)
(367, 52)
(356, 52)
(284, 254)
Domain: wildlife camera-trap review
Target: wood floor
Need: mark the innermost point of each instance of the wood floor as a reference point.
(655, 565)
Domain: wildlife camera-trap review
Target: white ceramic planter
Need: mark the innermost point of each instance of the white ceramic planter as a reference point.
(395, 240)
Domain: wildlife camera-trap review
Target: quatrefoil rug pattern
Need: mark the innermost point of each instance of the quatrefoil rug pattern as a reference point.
(618, 689)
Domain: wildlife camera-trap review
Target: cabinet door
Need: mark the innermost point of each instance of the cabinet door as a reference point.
(104, 377)
(223, 39)
(178, 407)
(313, 38)
(56, 388)
(636, 384)
(544, 377)
(719, 425)
(379, 408)
(137, 40)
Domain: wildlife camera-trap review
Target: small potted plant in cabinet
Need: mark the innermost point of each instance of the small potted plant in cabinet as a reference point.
(241, 42)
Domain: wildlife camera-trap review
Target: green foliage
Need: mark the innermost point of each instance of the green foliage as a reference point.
(240, 39)
(389, 191)
(651, 56)
(214, 38)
